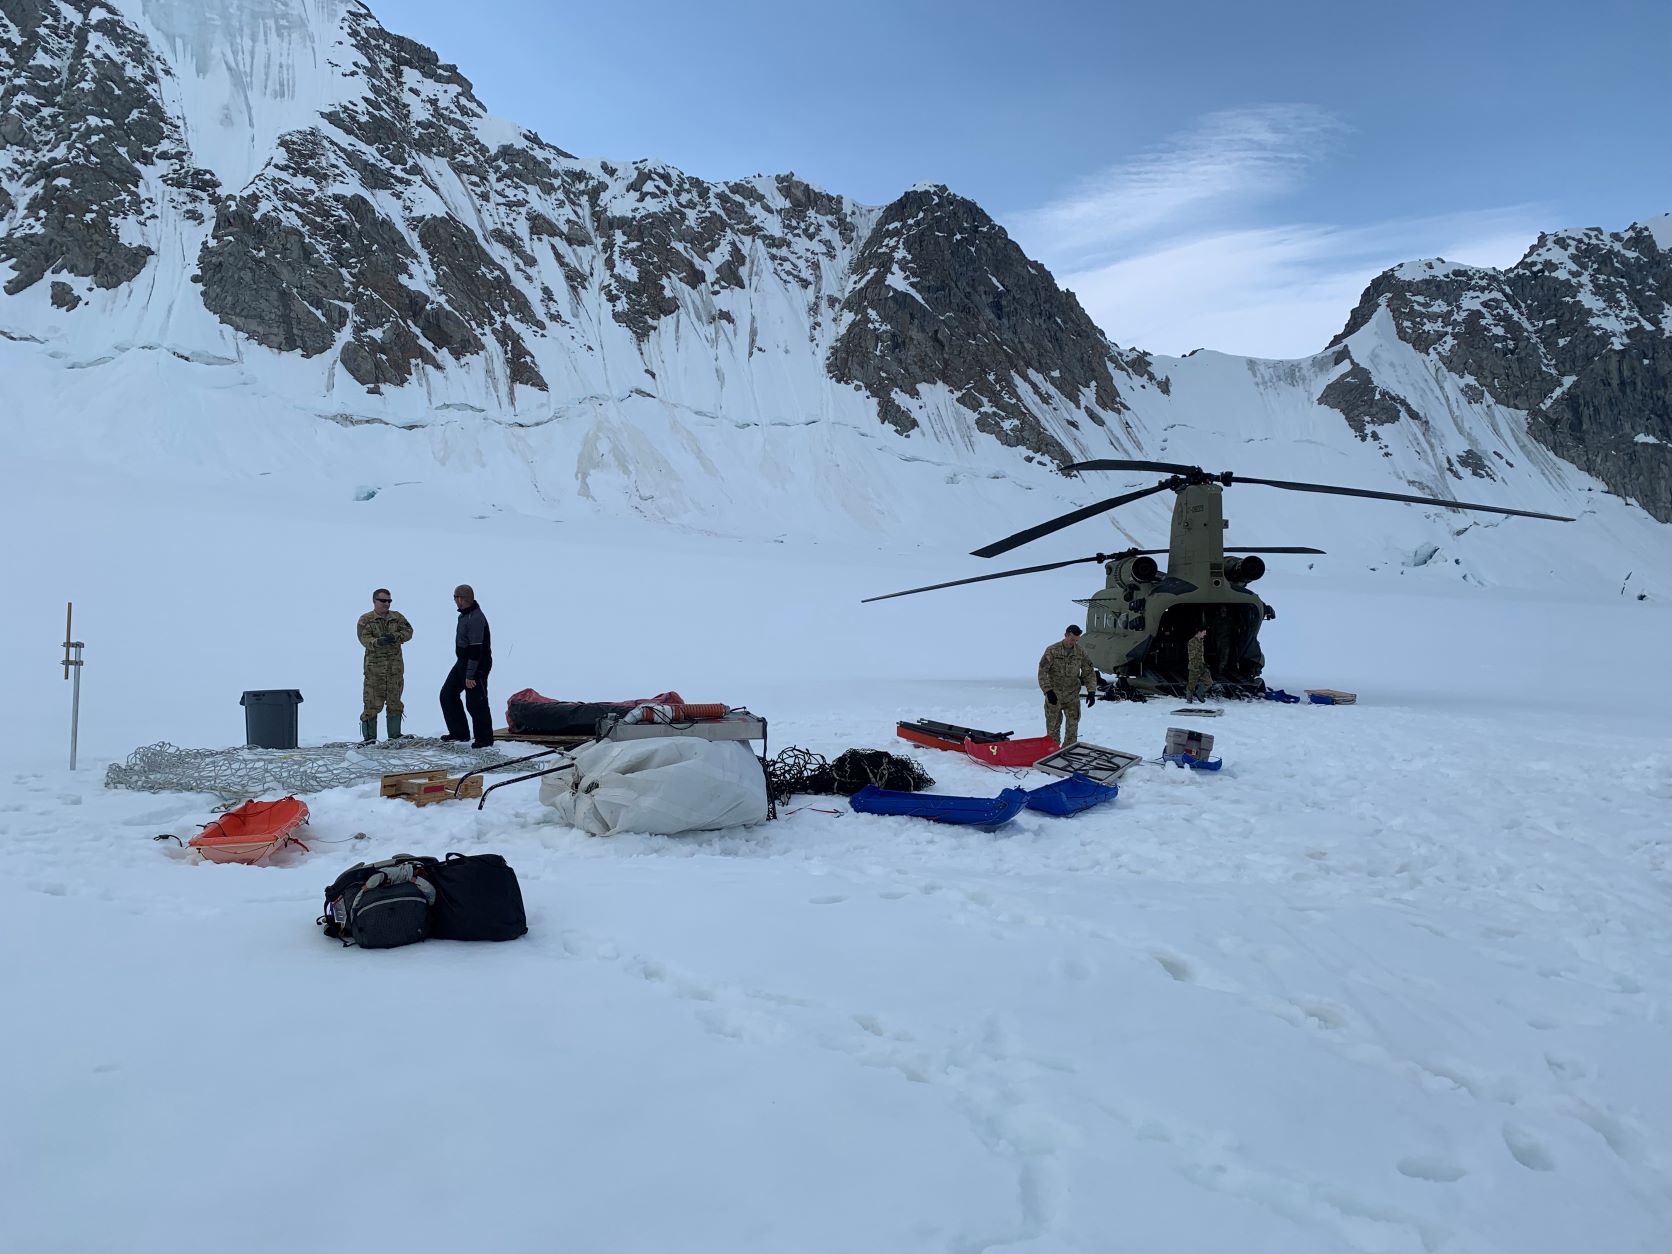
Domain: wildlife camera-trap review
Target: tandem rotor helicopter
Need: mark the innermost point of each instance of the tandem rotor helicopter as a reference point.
(1138, 623)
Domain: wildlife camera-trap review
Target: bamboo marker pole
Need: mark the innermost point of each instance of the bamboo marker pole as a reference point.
(75, 662)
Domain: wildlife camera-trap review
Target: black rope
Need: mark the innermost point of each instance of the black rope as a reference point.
(797, 770)
(789, 772)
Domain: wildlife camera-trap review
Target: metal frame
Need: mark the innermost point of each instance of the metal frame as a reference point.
(74, 662)
(1095, 762)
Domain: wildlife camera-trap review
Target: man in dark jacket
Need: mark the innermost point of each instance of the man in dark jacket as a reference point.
(473, 646)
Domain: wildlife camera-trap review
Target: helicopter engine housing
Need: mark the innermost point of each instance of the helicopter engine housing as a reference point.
(1244, 570)
(1132, 573)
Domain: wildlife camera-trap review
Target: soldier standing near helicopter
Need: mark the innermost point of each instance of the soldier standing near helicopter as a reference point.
(1063, 667)
(1199, 679)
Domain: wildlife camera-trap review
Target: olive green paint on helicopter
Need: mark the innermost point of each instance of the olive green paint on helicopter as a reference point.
(1139, 623)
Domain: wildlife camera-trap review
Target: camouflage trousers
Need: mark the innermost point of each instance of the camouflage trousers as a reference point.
(1056, 712)
(1197, 682)
(383, 687)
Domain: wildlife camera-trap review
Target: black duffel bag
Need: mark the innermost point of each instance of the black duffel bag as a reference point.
(477, 898)
(560, 718)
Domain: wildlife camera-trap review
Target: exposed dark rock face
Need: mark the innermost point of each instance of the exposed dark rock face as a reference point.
(1472, 460)
(293, 261)
(1577, 334)
(667, 238)
(1363, 402)
(942, 295)
(81, 126)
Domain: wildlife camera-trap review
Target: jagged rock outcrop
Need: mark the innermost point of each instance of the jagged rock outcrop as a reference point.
(85, 145)
(942, 296)
(1364, 402)
(1577, 334)
(296, 263)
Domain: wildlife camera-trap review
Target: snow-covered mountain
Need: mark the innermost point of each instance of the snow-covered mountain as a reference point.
(277, 218)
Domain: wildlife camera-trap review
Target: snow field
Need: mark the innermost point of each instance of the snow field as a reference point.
(1394, 980)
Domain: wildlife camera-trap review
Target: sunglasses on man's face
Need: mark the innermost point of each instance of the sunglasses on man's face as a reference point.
(381, 600)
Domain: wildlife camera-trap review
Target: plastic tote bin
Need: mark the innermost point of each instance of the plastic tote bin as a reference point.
(270, 718)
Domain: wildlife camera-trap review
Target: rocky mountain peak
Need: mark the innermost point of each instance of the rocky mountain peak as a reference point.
(1577, 335)
(942, 298)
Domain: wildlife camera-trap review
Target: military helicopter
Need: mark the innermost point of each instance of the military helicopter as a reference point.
(1138, 623)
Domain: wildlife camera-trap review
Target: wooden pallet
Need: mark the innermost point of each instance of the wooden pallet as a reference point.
(424, 787)
(533, 738)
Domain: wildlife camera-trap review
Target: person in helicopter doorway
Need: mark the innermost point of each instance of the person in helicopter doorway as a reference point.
(1199, 679)
(1063, 667)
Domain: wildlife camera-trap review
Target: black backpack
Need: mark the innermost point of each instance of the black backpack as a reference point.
(476, 898)
(379, 905)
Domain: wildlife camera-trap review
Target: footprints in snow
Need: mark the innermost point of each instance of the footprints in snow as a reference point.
(1175, 967)
(1076, 968)
(1527, 1149)
(1427, 1167)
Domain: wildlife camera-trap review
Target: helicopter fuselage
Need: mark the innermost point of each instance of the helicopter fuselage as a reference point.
(1139, 624)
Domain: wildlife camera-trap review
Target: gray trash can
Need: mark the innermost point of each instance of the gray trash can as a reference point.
(270, 718)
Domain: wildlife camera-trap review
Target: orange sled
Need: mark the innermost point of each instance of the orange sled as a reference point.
(1011, 752)
(253, 832)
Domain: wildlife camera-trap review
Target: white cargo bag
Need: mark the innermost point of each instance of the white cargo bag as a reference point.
(661, 786)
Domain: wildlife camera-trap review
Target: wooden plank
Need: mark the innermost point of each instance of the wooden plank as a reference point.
(443, 791)
(534, 738)
(390, 785)
(424, 787)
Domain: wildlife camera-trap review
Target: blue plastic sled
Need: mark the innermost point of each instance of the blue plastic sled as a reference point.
(1195, 764)
(1071, 795)
(1277, 694)
(965, 811)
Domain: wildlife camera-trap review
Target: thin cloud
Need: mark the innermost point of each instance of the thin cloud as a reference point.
(1276, 291)
(1233, 157)
(1174, 250)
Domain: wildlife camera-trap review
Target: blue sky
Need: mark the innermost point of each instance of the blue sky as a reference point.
(1224, 175)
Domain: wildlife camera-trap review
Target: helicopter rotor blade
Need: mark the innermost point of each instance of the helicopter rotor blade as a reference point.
(1162, 468)
(1277, 550)
(1006, 574)
(1065, 520)
(1399, 496)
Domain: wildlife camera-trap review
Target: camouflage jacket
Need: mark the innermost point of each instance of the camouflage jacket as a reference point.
(1063, 667)
(1195, 653)
(373, 626)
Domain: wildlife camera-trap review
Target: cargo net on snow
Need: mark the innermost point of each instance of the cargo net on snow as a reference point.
(797, 770)
(245, 772)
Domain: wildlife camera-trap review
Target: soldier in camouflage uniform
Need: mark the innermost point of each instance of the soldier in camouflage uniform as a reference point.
(382, 632)
(1063, 667)
(1199, 679)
